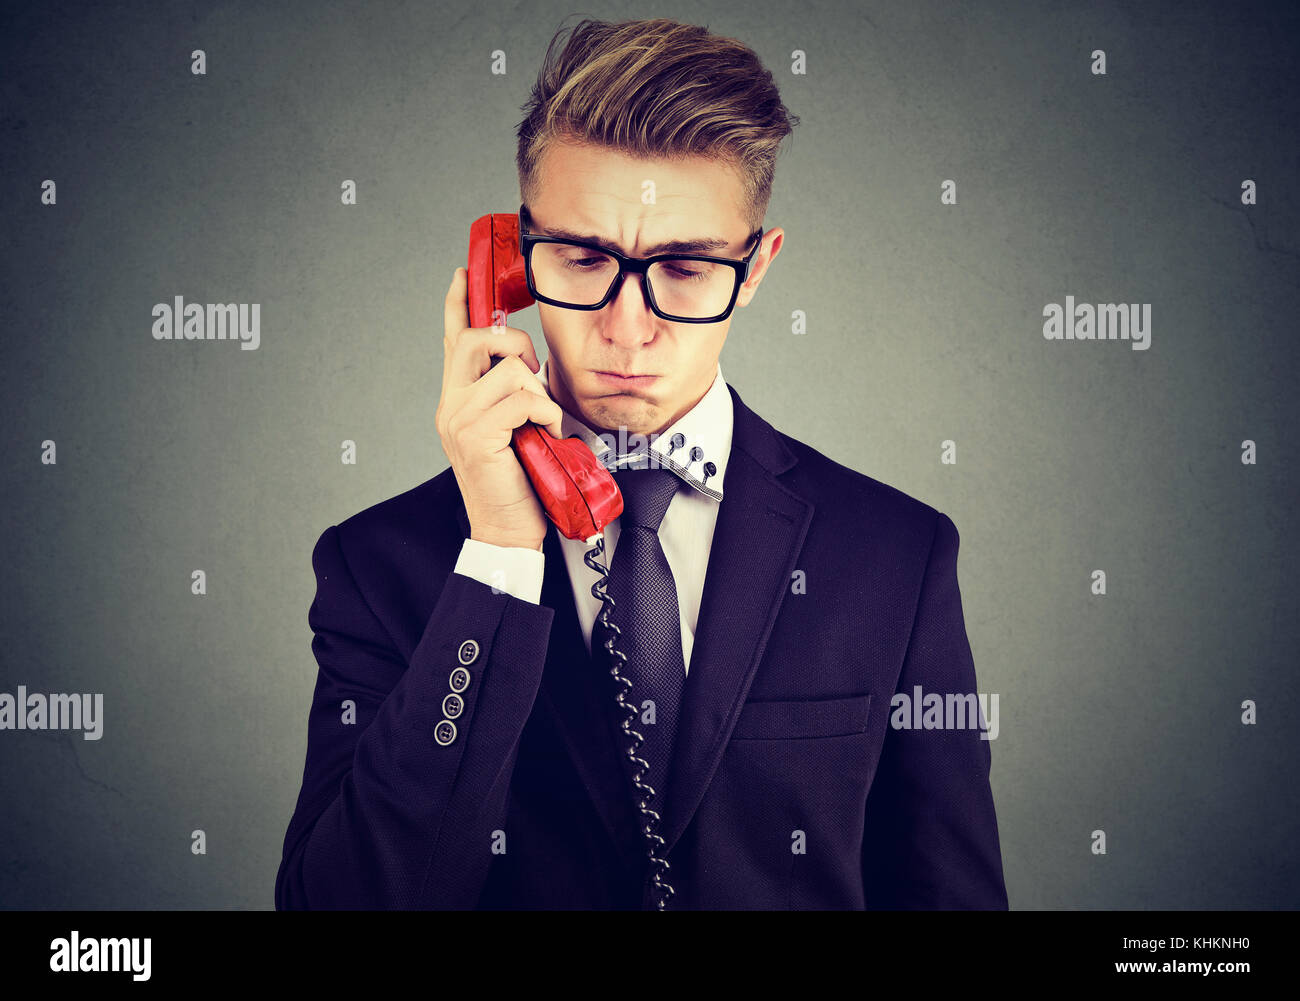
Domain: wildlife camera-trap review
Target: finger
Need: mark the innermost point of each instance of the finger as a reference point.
(554, 426)
(455, 318)
(474, 349)
(505, 378)
(513, 410)
(455, 310)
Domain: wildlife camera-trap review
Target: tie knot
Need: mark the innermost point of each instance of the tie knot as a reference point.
(646, 494)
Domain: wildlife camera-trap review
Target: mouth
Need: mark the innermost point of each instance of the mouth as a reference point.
(615, 379)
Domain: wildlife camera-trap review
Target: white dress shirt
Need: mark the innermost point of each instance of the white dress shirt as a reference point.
(686, 532)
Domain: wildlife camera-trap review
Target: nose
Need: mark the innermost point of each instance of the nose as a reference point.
(631, 320)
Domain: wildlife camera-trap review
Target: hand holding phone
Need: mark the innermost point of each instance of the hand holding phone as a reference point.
(490, 388)
(576, 492)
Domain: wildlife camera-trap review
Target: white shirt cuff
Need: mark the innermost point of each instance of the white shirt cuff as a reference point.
(513, 569)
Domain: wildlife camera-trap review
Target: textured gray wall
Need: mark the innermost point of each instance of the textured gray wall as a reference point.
(1119, 712)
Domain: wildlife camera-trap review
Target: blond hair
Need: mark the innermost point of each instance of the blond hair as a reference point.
(657, 88)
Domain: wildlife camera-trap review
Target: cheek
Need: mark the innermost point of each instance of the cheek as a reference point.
(563, 339)
(556, 320)
(704, 354)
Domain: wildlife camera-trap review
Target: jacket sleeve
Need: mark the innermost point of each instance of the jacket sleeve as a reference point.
(931, 833)
(388, 816)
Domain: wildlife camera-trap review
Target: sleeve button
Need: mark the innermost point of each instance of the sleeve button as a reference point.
(468, 652)
(459, 679)
(452, 706)
(445, 732)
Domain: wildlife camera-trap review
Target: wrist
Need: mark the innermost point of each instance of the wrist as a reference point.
(508, 541)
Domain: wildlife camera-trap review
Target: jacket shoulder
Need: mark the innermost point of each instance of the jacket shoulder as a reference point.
(417, 524)
(840, 492)
(414, 505)
(399, 554)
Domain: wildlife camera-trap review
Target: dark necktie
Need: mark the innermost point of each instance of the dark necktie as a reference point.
(645, 610)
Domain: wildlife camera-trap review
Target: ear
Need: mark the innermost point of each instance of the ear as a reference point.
(767, 251)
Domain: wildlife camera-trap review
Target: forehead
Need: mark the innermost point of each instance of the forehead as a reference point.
(639, 200)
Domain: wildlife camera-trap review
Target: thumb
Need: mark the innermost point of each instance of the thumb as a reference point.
(455, 311)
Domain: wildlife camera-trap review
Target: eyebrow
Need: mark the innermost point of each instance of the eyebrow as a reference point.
(697, 246)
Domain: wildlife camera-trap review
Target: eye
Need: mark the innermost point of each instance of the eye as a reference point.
(686, 270)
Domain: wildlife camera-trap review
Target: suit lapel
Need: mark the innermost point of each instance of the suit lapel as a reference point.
(756, 543)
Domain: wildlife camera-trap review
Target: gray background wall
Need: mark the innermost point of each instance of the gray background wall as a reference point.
(1119, 712)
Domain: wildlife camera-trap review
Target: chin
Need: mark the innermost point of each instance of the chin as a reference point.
(611, 413)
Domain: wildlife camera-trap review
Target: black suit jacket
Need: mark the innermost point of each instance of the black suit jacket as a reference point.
(789, 787)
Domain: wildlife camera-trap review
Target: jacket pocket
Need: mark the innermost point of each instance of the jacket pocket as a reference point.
(801, 719)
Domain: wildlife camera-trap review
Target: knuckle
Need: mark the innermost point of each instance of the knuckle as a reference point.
(518, 366)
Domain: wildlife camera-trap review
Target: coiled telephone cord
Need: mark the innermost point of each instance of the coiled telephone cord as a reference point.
(663, 891)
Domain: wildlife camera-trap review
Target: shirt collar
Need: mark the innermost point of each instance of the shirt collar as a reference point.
(707, 426)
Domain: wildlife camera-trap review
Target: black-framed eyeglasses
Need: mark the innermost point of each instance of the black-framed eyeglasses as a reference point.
(684, 288)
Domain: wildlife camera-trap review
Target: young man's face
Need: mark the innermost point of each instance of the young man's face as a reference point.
(597, 192)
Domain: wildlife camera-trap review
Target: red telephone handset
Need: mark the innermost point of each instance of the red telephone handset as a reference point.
(576, 491)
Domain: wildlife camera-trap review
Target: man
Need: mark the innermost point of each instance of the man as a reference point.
(465, 748)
